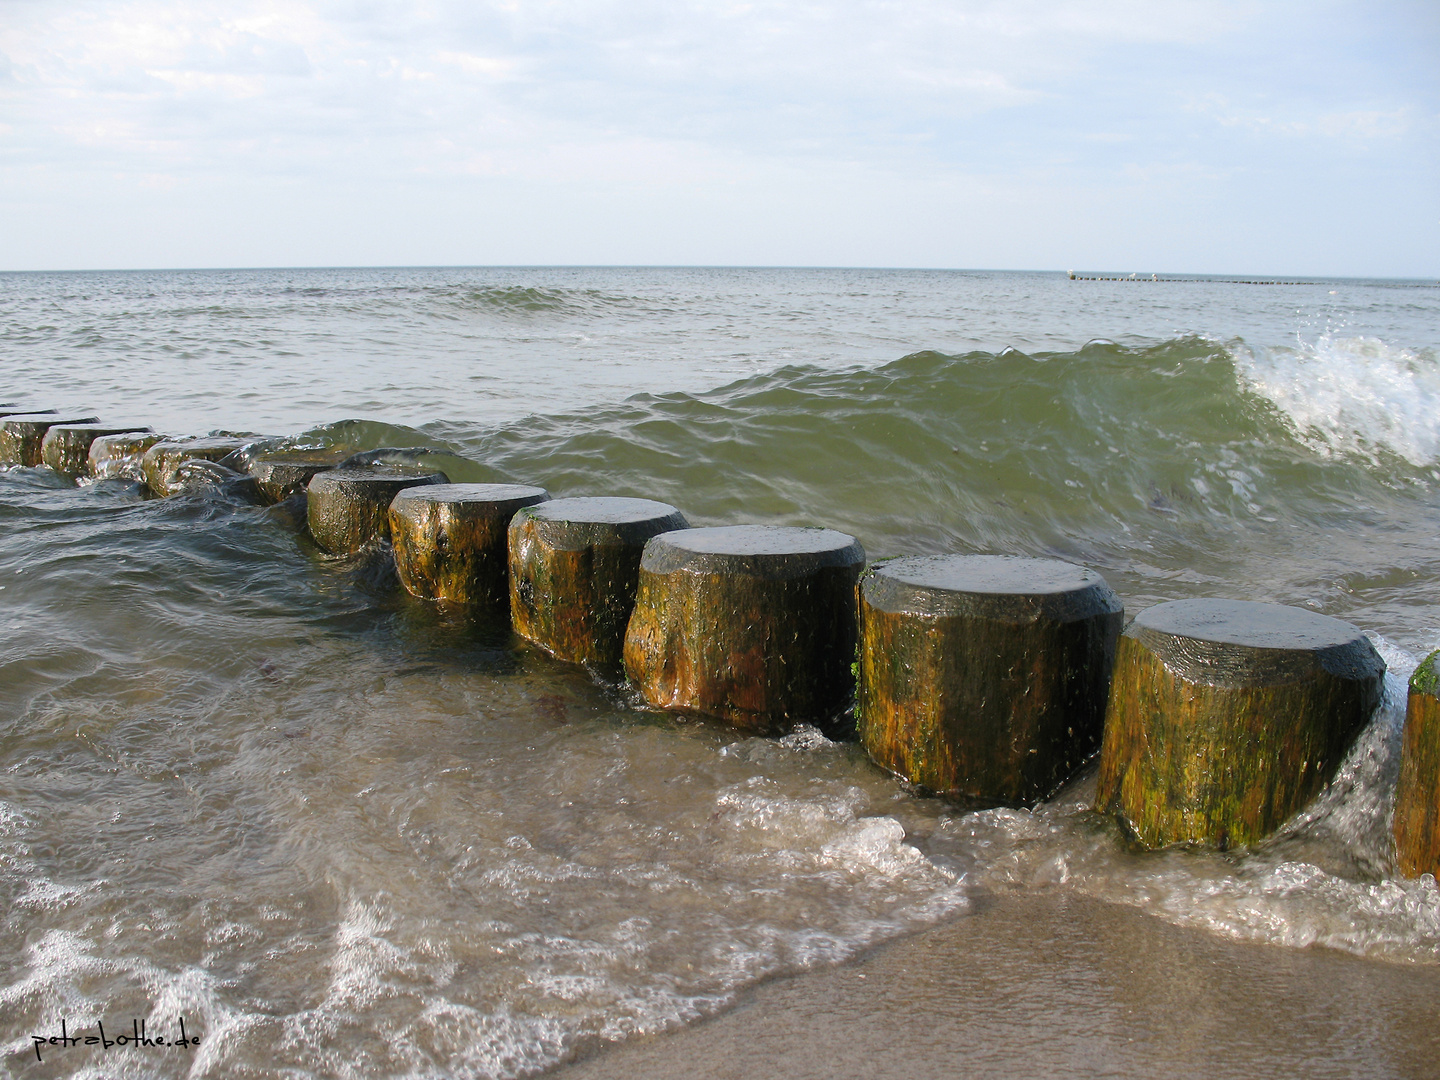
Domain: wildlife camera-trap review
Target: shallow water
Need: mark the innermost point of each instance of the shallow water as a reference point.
(346, 833)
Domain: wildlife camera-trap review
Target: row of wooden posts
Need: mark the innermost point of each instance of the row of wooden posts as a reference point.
(984, 678)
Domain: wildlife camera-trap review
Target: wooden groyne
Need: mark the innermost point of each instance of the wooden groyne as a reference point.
(1168, 280)
(1226, 717)
(983, 678)
(1417, 794)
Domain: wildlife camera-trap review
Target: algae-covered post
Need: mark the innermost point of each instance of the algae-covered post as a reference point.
(754, 624)
(1227, 716)
(21, 435)
(984, 676)
(450, 540)
(121, 457)
(574, 567)
(66, 447)
(283, 473)
(1417, 795)
(348, 508)
(160, 467)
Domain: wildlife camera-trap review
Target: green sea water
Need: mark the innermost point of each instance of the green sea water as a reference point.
(346, 833)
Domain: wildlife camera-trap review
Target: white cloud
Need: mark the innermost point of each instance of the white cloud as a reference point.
(948, 94)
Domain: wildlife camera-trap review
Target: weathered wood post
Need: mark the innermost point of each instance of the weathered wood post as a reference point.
(984, 677)
(450, 541)
(283, 473)
(754, 624)
(160, 466)
(349, 508)
(1417, 795)
(121, 457)
(574, 567)
(1227, 716)
(66, 447)
(21, 435)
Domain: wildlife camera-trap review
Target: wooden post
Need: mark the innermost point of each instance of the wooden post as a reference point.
(754, 624)
(160, 466)
(22, 433)
(346, 509)
(984, 677)
(1227, 716)
(121, 457)
(1417, 795)
(283, 473)
(450, 541)
(66, 447)
(574, 566)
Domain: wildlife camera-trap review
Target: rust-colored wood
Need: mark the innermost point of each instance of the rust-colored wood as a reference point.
(22, 435)
(754, 624)
(984, 677)
(121, 457)
(574, 568)
(1227, 717)
(280, 474)
(348, 509)
(66, 447)
(1417, 794)
(450, 541)
(160, 466)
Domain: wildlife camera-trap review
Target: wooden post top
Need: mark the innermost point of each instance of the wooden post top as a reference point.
(602, 509)
(499, 496)
(1245, 642)
(329, 458)
(105, 429)
(578, 522)
(763, 551)
(338, 479)
(1005, 587)
(1426, 677)
(46, 418)
(200, 444)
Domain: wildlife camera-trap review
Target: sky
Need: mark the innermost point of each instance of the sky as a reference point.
(1167, 136)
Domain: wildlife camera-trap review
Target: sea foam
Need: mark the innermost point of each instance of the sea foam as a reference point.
(1351, 395)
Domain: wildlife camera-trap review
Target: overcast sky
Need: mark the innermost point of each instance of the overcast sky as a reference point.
(1154, 135)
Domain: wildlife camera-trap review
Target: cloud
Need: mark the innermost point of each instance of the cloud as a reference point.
(1353, 124)
(973, 95)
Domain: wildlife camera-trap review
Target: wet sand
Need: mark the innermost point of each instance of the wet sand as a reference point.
(1057, 985)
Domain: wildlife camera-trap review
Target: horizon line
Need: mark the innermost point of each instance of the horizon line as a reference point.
(1072, 274)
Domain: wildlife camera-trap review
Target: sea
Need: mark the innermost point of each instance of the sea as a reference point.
(342, 832)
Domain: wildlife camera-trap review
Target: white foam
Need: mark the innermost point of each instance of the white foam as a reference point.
(1352, 395)
(1325, 878)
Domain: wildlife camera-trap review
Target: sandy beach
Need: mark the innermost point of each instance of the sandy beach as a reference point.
(1058, 985)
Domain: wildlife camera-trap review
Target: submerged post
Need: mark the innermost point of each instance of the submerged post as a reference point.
(66, 447)
(1417, 794)
(1227, 716)
(754, 624)
(283, 473)
(984, 676)
(120, 457)
(160, 466)
(21, 435)
(574, 567)
(347, 509)
(450, 540)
